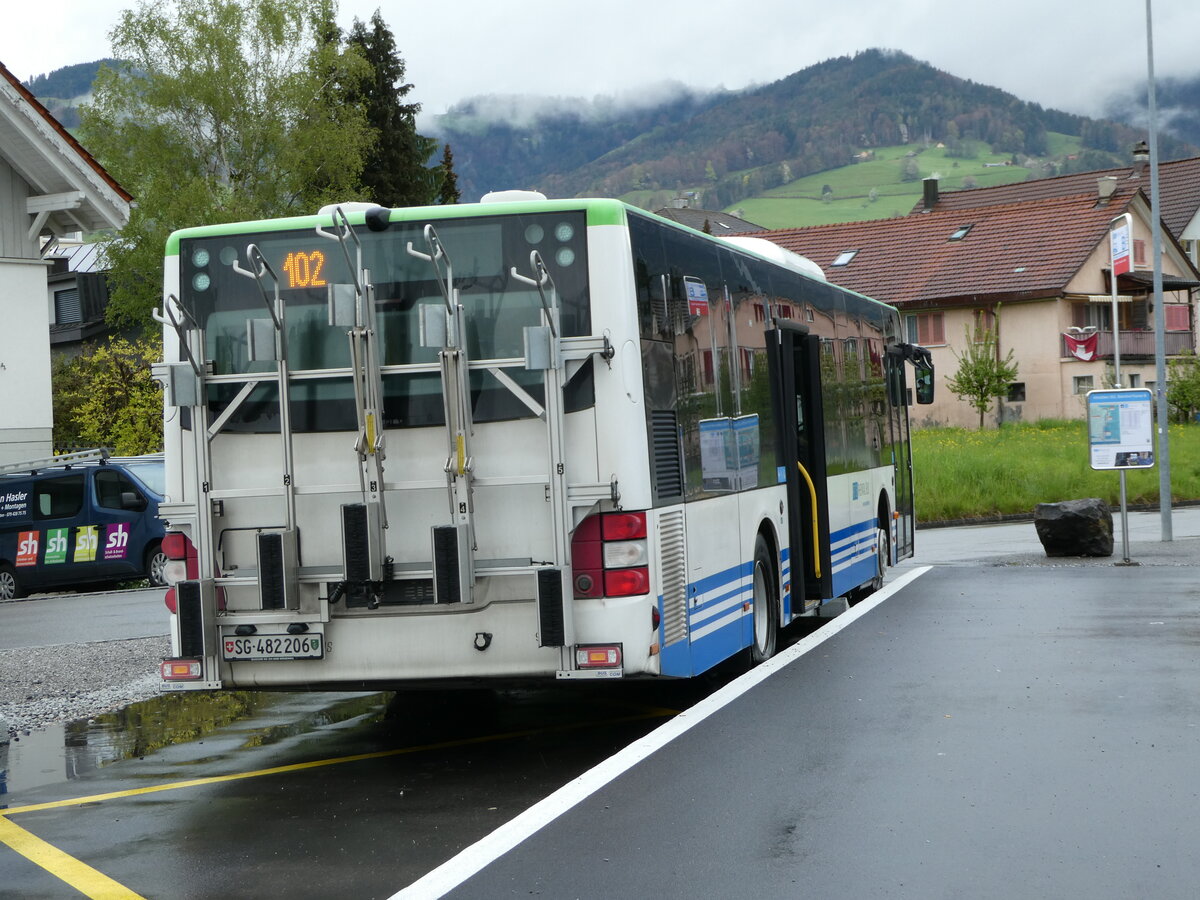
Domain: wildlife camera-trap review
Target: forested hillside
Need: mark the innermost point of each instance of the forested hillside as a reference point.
(736, 145)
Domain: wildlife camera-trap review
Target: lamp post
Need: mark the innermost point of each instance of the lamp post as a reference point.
(1160, 315)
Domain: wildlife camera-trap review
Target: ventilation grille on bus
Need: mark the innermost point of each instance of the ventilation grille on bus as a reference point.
(673, 566)
(668, 467)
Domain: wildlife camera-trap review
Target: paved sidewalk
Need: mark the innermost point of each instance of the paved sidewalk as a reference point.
(1017, 544)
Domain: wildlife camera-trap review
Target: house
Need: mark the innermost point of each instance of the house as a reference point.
(720, 224)
(50, 187)
(1035, 268)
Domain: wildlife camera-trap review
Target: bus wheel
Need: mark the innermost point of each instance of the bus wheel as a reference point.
(10, 588)
(765, 604)
(156, 564)
(883, 556)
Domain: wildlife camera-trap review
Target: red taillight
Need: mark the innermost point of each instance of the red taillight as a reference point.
(626, 582)
(598, 656)
(609, 556)
(169, 599)
(623, 526)
(175, 545)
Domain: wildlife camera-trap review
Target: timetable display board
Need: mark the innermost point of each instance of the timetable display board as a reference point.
(1121, 429)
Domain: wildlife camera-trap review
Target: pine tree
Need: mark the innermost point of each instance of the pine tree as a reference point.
(448, 192)
(396, 173)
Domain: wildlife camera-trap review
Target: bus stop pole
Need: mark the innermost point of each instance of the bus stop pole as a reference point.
(1116, 332)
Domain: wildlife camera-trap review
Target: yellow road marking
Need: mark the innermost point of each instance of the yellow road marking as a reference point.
(319, 763)
(98, 886)
(78, 875)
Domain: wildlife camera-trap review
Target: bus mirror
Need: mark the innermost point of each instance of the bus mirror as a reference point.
(924, 378)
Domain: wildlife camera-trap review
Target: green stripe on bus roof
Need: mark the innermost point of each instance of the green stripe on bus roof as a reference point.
(599, 212)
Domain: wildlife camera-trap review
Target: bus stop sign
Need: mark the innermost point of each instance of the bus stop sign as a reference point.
(1121, 429)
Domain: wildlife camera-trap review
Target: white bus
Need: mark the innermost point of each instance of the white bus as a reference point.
(523, 439)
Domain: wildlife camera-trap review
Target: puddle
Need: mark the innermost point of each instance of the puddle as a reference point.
(223, 721)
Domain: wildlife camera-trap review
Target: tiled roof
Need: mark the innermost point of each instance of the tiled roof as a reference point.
(1012, 251)
(720, 224)
(87, 158)
(1178, 190)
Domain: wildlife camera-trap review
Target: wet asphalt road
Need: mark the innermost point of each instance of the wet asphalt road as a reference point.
(1004, 726)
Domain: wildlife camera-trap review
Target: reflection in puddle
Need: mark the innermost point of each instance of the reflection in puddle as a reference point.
(229, 720)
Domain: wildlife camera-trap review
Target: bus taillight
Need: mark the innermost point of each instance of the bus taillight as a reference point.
(610, 556)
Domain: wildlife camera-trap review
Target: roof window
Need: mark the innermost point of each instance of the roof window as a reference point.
(961, 232)
(844, 258)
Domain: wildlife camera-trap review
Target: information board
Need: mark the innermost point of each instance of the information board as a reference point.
(1121, 429)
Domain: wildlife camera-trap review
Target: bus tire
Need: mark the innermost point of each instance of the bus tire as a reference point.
(764, 603)
(10, 588)
(883, 557)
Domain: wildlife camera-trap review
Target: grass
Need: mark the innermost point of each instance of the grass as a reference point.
(800, 202)
(961, 474)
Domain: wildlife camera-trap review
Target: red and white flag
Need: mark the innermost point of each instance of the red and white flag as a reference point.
(1082, 347)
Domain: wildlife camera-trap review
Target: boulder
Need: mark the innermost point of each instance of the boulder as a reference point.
(1075, 527)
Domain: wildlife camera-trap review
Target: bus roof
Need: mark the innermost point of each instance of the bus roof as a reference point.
(599, 212)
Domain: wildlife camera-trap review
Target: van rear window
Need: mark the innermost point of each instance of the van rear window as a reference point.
(57, 498)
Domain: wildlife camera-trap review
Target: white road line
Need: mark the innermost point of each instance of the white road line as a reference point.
(472, 859)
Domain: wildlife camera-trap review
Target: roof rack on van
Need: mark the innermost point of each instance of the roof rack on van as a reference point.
(66, 459)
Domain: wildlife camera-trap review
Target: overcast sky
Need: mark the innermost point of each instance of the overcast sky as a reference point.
(1068, 54)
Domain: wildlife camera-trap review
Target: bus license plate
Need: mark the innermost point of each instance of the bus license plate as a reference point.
(262, 646)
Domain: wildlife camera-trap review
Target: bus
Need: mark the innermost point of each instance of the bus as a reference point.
(516, 440)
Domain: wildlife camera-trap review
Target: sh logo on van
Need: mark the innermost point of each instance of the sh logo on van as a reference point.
(27, 548)
(116, 541)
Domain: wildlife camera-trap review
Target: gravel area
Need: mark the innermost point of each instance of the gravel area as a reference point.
(41, 685)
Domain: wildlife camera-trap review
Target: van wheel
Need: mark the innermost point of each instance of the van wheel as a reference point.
(156, 564)
(10, 588)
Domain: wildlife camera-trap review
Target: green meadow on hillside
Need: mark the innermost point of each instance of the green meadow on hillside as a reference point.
(875, 187)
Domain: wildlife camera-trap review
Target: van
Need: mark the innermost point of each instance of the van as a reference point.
(80, 519)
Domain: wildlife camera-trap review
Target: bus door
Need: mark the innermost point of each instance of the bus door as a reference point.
(794, 357)
(898, 403)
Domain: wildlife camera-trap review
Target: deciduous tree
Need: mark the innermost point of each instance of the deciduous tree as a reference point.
(982, 375)
(223, 110)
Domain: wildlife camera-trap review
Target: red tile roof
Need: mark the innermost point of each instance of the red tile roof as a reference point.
(1013, 251)
(1178, 190)
(63, 133)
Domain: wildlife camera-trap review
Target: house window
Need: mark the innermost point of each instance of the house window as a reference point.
(1016, 392)
(843, 258)
(66, 307)
(1139, 253)
(925, 329)
(985, 320)
(1177, 317)
(1082, 383)
(1135, 380)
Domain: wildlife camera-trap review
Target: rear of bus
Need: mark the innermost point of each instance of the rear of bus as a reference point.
(492, 530)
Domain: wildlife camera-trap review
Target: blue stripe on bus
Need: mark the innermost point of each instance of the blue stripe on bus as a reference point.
(716, 603)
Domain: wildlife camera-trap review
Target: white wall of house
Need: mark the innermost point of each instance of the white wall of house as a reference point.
(26, 421)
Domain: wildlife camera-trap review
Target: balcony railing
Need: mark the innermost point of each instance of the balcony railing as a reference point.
(1135, 344)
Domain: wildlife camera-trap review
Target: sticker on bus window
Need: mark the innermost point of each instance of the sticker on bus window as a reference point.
(27, 548)
(116, 541)
(56, 545)
(85, 543)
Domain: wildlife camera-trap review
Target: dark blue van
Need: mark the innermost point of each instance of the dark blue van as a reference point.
(80, 519)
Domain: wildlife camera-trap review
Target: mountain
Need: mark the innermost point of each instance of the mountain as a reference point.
(62, 90)
(737, 144)
(732, 146)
